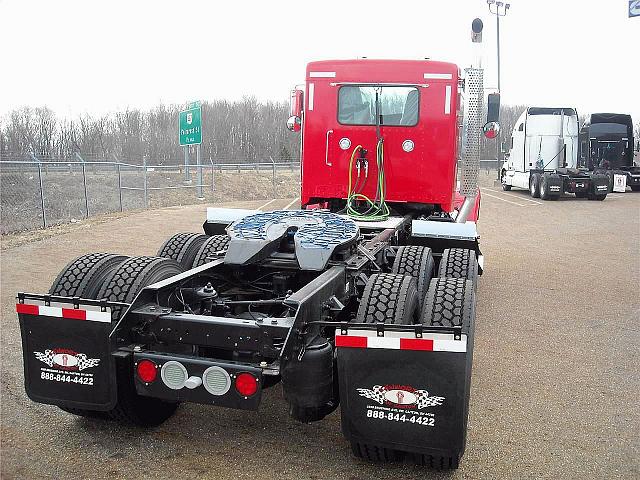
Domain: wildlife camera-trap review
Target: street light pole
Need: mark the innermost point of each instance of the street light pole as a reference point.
(500, 11)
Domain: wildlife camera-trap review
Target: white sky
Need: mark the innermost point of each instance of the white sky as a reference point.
(100, 56)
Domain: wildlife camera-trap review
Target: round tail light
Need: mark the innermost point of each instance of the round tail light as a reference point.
(246, 384)
(147, 371)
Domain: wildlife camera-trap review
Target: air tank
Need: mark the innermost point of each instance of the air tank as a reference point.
(309, 385)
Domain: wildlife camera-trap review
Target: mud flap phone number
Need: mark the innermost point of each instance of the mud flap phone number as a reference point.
(401, 417)
(61, 377)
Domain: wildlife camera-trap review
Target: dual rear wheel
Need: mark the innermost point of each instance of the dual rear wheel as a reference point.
(192, 249)
(118, 278)
(411, 295)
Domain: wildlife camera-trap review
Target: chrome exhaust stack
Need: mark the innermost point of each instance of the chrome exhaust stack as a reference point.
(473, 111)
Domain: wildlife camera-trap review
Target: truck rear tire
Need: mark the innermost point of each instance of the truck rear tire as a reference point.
(503, 180)
(534, 185)
(83, 278)
(183, 248)
(459, 263)
(450, 302)
(417, 262)
(599, 198)
(123, 286)
(394, 298)
(374, 453)
(390, 298)
(635, 188)
(211, 245)
(610, 174)
(436, 462)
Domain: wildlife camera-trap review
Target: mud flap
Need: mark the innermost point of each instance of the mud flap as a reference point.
(409, 394)
(66, 354)
(599, 184)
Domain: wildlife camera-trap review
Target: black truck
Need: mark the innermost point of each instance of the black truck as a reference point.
(606, 147)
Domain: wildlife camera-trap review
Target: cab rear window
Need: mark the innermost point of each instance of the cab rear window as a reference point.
(397, 105)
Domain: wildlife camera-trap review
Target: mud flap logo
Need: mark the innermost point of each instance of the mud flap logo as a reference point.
(64, 359)
(400, 396)
(66, 366)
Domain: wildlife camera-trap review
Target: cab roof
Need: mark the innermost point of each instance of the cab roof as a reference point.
(382, 71)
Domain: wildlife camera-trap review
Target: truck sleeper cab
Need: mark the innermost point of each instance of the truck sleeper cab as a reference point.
(543, 156)
(606, 147)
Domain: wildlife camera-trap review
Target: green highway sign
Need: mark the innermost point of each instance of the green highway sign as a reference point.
(190, 125)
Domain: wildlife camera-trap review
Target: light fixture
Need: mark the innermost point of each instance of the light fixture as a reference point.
(344, 143)
(407, 146)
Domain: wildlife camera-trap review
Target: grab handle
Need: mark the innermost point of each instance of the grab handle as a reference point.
(326, 153)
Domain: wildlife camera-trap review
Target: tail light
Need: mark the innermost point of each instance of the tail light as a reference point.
(147, 371)
(246, 384)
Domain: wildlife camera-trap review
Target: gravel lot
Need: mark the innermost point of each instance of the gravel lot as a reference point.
(556, 368)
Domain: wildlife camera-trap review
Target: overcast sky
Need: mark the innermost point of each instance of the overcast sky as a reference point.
(102, 56)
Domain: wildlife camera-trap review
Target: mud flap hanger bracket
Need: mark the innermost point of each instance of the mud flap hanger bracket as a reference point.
(76, 301)
(381, 328)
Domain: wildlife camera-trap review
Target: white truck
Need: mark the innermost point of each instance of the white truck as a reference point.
(543, 157)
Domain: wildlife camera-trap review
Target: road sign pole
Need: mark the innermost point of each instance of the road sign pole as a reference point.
(190, 133)
(199, 192)
(187, 173)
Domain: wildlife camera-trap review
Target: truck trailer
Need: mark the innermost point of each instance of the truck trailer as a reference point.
(363, 300)
(543, 157)
(606, 147)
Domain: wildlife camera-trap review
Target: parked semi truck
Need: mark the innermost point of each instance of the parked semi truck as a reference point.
(363, 300)
(606, 147)
(543, 157)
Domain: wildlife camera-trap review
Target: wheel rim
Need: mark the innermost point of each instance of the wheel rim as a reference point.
(532, 188)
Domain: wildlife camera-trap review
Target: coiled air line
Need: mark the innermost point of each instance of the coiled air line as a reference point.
(377, 209)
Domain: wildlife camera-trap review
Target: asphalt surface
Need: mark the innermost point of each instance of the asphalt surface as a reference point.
(555, 378)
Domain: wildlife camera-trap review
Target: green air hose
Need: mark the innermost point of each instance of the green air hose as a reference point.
(377, 209)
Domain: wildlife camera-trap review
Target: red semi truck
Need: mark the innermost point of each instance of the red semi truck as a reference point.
(363, 300)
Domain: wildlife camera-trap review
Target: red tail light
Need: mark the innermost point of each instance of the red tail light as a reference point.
(147, 371)
(246, 384)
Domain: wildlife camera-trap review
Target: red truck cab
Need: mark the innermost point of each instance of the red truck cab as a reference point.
(419, 112)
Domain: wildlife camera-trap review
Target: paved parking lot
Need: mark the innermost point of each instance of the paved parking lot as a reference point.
(555, 380)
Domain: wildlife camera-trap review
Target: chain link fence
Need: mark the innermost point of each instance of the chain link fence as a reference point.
(35, 193)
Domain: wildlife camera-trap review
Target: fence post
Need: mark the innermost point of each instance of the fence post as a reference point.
(44, 215)
(273, 179)
(213, 173)
(119, 185)
(146, 194)
(187, 173)
(200, 176)
(84, 182)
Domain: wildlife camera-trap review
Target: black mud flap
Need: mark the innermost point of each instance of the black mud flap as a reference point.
(66, 354)
(599, 184)
(409, 394)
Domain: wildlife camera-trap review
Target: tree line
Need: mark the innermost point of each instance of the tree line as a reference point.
(240, 131)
